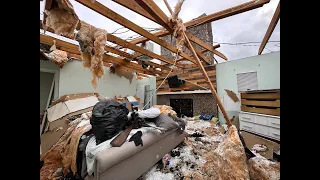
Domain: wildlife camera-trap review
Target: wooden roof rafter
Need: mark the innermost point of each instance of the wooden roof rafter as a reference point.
(272, 26)
(253, 4)
(151, 11)
(105, 11)
(101, 9)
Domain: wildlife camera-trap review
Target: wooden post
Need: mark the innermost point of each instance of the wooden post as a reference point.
(213, 91)
(220, 105)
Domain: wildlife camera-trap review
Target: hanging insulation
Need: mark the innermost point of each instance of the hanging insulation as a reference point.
(62, 19)
(178, 27)
(92, 41)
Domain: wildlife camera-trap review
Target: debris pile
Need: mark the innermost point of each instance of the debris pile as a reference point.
(261, 168)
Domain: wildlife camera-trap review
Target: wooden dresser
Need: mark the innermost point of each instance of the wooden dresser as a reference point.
(260, 113)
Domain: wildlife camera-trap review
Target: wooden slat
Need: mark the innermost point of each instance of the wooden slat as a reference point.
(124, 43)
(182, 58)
(274, 112)
(45, 39)
(105, 11)
(213, 17)
(68, 47)
(119, 52)
(262, 96)
(205, 45)
(151, 7)
(275, 103)
(271, 27)
(133, 6)
(122, 62)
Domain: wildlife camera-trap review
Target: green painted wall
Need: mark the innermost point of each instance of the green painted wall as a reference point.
(45, 86)
(268, 72)
(76, 79)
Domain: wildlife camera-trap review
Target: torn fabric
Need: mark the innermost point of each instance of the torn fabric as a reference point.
(92, 41)
(62, 19)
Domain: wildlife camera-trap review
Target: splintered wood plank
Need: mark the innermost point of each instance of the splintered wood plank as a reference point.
(274, 112)
(262, 96)
(271, 27)
(205, 45)
(275, 103)
(105, 11)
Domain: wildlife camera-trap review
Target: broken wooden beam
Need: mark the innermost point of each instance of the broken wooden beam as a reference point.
(272, 25)
(211, 17)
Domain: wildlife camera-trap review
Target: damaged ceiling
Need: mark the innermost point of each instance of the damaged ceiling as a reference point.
(60, 18)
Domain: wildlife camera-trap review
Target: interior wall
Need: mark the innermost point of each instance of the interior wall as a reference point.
(49, 67)
(268, 72)
(141, 89)
(45, 86)
(74, 78)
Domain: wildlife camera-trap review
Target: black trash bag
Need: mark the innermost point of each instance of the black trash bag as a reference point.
(108, 119)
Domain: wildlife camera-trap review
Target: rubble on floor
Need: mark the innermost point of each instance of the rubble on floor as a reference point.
(209, 154)
(261, 168)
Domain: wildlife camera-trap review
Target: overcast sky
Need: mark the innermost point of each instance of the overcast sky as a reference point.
(250, 26)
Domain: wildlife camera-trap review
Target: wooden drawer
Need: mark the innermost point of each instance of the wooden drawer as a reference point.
(274, 133)
(260, 120)
(261, 129)
(274, 122)
(247, 117)
(247, 126)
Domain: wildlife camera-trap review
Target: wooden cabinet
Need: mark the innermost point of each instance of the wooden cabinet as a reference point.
(262, 124)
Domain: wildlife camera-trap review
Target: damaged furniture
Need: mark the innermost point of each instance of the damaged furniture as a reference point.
(129, 161)
(260, 113)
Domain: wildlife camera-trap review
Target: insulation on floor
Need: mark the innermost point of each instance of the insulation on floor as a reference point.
(261, 168)
(61, 158)
(62, 19)
(92, 41)
(228, 160)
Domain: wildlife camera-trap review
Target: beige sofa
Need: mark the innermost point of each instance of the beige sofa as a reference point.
(129, 162)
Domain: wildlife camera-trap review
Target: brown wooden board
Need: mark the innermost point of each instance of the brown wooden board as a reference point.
(274, 112)
(272, 103)
(261, 96)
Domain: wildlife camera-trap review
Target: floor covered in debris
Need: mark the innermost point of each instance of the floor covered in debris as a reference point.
(195, 159)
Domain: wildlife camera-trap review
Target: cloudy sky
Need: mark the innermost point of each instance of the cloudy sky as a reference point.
(246, 27)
